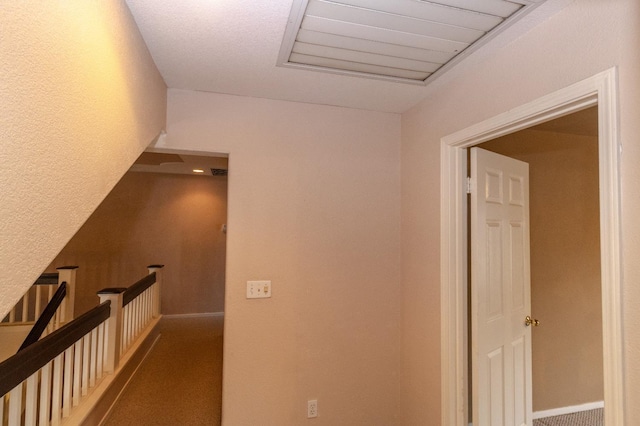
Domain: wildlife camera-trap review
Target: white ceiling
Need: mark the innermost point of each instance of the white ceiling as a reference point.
(232, 46)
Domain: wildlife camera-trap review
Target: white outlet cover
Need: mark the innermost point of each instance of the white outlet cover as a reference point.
(258, 289)
(312, 408)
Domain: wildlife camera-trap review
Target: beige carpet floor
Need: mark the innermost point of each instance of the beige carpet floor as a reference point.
(583, 418)
(180, 382)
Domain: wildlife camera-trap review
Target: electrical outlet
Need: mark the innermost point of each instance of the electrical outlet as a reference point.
(258, 289)
(312, 408)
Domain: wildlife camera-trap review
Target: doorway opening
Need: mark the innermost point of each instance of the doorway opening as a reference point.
(170, 208)
(562, 155)
(598, 90)
(160, 212)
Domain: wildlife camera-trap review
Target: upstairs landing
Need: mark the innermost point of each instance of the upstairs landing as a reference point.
(180, 381)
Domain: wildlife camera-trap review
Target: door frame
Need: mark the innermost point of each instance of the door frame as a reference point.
(601, 90)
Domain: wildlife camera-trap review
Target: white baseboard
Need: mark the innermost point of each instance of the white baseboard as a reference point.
(196, 315)
(568, 410)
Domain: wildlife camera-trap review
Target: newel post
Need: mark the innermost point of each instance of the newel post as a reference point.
(113, 330)
(156, 288)
(68, 274)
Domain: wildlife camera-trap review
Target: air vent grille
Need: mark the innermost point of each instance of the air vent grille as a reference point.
(402, 40)
(219, 172)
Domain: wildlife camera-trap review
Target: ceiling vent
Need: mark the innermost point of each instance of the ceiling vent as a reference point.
(408, 41)
(219, 172)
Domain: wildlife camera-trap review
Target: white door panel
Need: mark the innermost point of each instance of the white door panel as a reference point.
(500, 290)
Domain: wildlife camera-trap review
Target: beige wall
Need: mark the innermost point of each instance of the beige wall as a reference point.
(314, 207)
(151, 218)
(586, 37)
(565, 264)
(80, 98)
(314, 197)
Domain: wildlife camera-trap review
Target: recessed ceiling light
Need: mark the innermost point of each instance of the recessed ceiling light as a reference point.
(198, 171)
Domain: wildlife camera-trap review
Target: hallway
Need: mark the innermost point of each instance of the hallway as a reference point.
(180, 382)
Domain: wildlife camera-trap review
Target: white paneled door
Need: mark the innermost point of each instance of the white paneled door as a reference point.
(500, 291)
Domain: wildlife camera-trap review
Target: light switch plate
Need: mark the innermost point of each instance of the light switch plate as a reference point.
(258, 289)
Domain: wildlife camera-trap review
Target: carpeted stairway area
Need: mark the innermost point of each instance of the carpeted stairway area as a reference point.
(583, 418)
(180, 382)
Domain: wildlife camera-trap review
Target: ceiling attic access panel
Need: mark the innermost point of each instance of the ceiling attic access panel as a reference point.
(410, 41)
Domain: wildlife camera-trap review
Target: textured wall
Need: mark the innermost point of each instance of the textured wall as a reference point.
(586, 37)
(314, 207)
(151, 218)
(80, 98)
(565, 264)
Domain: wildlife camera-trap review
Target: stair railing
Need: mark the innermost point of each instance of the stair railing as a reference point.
(32, 304)
(47, 316)
(135, 306)
(46, 382)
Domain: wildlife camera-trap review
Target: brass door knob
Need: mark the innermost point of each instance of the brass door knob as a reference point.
(528, 321)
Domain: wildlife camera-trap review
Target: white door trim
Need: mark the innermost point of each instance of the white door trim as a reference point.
(601, 90)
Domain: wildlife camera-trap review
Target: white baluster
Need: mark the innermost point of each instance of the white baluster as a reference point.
(59, 316)
(113, 330)
(100, 350)
(104, 352)
(130, 330)
(156, 296)
(94, 358)
(131, 316)
(149, 310)
(3, 400)
(15, 405)
(134, 319)
(77, 372)
(137, 321)
(123, 336)
(146, 304)
(31, 400)
(86, 345)
(45, 394)
(56, 393)
(143, 308)
(62, 310)
(25, 307)
(67, 381)
(36, 311)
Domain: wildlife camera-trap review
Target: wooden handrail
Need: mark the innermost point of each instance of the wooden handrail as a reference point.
(47, 278)
(136, 289)
(69, 363)
(19, 367)
(44, 319)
